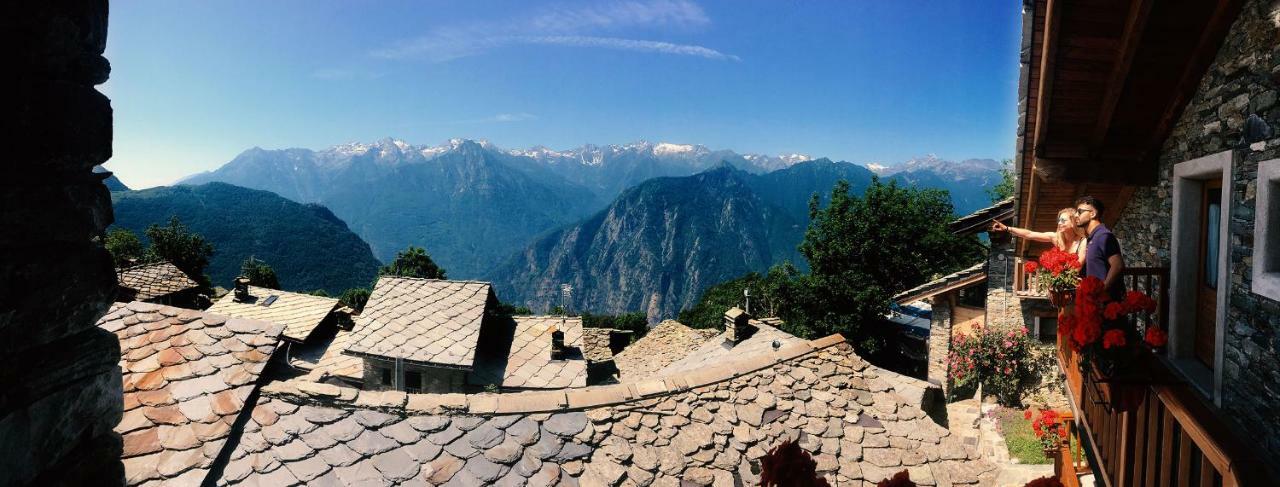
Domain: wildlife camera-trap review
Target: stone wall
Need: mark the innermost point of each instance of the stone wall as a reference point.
(1242, 81)
(58, 372)
(940, 342)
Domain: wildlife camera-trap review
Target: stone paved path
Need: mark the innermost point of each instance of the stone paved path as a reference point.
(968, 420)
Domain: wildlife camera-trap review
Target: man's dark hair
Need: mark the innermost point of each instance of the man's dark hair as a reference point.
(1091, 201)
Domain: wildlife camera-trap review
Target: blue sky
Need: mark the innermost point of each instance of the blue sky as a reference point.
(194, 83)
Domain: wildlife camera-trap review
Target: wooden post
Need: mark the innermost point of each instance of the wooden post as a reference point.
(1064, 467)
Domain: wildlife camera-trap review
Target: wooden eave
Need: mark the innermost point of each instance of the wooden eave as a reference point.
(1107, 82)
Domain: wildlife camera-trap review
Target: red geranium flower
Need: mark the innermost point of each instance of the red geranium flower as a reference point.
(1089, 288)
(1113, 338)
(1031, 267)
(1137, 301)
(1027, 414)
(1087, 330)
(1156, 336)
(1114, 310)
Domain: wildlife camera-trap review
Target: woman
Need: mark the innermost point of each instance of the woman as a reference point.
(1068, 237)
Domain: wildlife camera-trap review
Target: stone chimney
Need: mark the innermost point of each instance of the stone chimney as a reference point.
(557, 344)
(737, 325)
(242, 289)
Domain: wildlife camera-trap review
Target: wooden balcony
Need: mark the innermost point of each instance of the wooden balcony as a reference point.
(1165, 434)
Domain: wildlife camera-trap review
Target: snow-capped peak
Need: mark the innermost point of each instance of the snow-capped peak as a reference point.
(665, 148)
(876, 167)
(352, 148)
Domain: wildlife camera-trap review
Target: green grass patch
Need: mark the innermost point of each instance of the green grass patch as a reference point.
(1019, 437)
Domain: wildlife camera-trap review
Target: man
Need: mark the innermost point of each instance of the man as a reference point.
(1102, 256)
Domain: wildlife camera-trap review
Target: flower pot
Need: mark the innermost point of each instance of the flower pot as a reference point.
(1061, 298)
(1122, 391)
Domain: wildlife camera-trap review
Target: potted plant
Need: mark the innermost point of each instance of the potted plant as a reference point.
(1049, 430)
(1058, 272)
(1105, 334)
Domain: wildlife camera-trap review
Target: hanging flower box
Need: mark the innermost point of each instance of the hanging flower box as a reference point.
(1125, 386)
(1063, 298)
(1058, 272)
(1113, 351)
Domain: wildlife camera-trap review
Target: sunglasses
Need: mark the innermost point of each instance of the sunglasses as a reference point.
(1064, 220)
(1082, 210)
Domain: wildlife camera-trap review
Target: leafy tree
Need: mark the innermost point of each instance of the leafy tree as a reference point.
(259, 273)
(125, 247)
(177, 244)
(1005, 188)
(504, 309)
(636, 322)
(354, 298)
(897, 236)
(861, 251)
(319, 292)
(557, 310)
(413, 262)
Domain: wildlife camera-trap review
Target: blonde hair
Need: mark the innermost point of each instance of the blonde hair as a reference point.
(1060, 236)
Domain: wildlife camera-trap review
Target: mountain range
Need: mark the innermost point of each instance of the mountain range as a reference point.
(663, 242)
(473, 205)
(307, 246)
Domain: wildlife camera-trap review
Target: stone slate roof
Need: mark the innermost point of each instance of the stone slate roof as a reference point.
(150, 281)
(705, 427)
(426, 321)
(334, 363)
(662, 345)
(980, 220)
(956, 280)
(186, 376)
(526, 363)
(718, 349)
(299, 313)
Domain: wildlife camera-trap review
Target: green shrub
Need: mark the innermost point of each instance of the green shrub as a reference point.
(999, 360)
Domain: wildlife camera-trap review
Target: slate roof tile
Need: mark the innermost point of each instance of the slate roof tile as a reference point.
(299, 313)
(179, 415)
(423, 320)
(526, 363)
(150, 281)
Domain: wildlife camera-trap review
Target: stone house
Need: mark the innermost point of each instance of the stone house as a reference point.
(1168, 114)
(160, 283)
(426, 335)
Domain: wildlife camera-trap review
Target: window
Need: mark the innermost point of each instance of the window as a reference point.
(1047, 329)
(1266, 231)
(386, 376)
(413, 382)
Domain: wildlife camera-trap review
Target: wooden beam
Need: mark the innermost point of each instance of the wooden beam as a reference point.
(1211, 38)
(1139, 10)
(1048, 50)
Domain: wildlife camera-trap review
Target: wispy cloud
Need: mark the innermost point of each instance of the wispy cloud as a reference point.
(344, 74)
(578, 27)
(630, 45)
(499, 118)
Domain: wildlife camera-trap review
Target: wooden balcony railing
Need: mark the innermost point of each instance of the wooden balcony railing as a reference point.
(1165, 434)
(1022, 285)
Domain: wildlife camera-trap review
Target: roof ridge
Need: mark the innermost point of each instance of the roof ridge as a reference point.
(149, 264)
(410, 278)
(543, 401)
